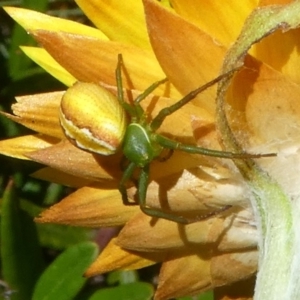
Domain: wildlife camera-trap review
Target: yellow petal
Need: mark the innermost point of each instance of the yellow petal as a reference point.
(90, 207)
(193, 273)
(93, 60)
(71, 160)
(276, 48)
(274, 51)
(115, 258)
(39, 112)
(200, 190)
(153, 104)
(244, 265)
(43, 59)
(255, 88)
(188, 55)
(20, 146)
(32, 20)
(128, 16)
(53, 175)
(184, 274)
(178, 162)
(228, 234)
(271, 2)
(222, 20)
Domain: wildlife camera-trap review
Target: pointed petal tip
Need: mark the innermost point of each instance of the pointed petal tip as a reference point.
(89, 207)
(115, 258)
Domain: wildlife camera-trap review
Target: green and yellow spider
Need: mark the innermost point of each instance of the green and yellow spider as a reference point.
(95, 120)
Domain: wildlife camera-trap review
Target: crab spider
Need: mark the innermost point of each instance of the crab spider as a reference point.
(96, 121)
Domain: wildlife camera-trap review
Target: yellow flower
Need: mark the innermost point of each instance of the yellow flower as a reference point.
(186, 42)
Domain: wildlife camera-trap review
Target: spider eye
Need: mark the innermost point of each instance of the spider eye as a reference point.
(92, 118)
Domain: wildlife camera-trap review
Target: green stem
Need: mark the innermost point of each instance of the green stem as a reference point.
(277, 215)
(278, 244)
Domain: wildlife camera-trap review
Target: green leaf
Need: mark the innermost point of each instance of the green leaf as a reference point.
(131, 291)
(63, 279)
(205, 296)
(21, 255)
(56, 236)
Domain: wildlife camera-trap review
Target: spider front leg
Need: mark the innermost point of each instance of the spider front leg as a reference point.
(167, 111)
(135, 111)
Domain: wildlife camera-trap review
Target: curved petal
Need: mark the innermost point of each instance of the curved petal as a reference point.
(115, 258)
(56, 176)
(185, 274)
(39, 112)
(227, 233)
(194, 273)
(93, 60)
(244, 264)
(139, 234)
(32, 20)
(68, 158)
(120, 20)
(90, 207)
(281, 52)
(43, 59)
(187, 55)
(222, 20)
(202, 192)
(19, 146)
(254, 88)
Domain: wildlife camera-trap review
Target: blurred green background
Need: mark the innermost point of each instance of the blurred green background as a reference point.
(41, 261)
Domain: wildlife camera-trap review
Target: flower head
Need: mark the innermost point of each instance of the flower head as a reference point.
(186, 42)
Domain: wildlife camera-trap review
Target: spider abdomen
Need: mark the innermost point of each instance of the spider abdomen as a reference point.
(92, 118)
(138, 146)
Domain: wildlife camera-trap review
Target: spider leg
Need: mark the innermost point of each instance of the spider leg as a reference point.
(122, 185)
(152, 212)
(137, 109)
(118, 73)
(168, 143)
(149, 90)
(157, 121)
